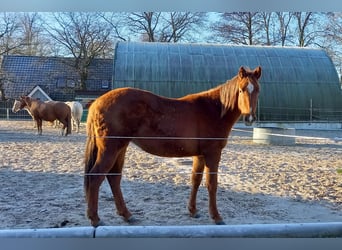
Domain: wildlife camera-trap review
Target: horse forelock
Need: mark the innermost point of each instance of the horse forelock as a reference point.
(26, 101)
(228, 95)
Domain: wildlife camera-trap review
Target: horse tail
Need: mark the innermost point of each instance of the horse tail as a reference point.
(90, 153)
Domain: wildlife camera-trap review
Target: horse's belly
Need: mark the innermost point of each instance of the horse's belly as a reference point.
(167, 147)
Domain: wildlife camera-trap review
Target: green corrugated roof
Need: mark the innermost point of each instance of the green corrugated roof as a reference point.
(291, 77)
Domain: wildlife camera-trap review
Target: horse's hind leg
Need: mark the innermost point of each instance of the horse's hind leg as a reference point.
(196, 179)
(39, 126)
(114, 179)
(92, 196)
(73, 122)
(64, 129)
(78, 122)
(94, 179)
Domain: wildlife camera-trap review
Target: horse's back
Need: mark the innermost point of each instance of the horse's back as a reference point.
(76, 109)
(130, 104)
(53, 110)
(60, 107)
(136, 108)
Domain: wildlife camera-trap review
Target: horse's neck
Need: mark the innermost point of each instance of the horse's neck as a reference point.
(213, 94)
(33, 104)
(228, 97)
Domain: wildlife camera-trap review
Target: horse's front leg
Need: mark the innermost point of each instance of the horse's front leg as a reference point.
(211, 183)
(196, 179)
(39, 126)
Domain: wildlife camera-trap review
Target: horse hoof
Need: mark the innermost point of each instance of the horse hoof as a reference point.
(220, 222)
(98, 224)
(132, 220)
(195, 215)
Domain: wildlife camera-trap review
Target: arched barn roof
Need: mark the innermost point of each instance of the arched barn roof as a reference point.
(293, 79)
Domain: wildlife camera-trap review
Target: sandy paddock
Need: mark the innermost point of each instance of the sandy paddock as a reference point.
(41, 181)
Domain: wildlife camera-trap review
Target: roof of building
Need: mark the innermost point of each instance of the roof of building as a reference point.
(52, 74)
(291, 76)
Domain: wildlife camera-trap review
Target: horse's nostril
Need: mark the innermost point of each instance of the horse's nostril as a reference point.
(249, 119)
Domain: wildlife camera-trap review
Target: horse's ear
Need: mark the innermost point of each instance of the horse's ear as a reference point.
(257, 72)
(242, 72)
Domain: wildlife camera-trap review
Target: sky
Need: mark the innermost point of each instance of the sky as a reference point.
(175, 5)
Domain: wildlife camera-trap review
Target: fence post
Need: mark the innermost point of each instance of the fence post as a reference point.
(311, 110)
(7, 113)
(258, 111)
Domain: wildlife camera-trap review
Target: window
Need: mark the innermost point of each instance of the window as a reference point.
(62, 82)
(70, 83)
(105, 84)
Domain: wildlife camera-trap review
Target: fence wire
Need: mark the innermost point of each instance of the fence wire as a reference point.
(247, 136)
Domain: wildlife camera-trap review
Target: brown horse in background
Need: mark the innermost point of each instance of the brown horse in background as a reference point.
(195, 125)
(47, 111)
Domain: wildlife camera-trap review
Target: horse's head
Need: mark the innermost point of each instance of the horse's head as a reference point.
(248, 93)
(23, 102)
(18, 105)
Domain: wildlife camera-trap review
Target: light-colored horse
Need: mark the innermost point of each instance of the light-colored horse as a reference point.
(76, 114)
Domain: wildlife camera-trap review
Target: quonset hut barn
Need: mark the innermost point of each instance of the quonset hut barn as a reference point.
(297, 84)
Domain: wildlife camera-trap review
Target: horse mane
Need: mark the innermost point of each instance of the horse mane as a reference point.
(228, 95)
(27, 100)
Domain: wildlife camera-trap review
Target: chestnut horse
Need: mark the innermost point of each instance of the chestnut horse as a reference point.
(195, 125)
(47, 111)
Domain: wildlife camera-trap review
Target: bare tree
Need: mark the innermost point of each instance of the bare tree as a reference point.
(334, 27)
(84, 36)
(284, 19)
(333, 38)
(165, 26)
(304, 20)
(8, 42)
(238, 27)
(266, 19)
(179, 25)
(8, 28)
(144, 23)
(117, 21)
(31, 32)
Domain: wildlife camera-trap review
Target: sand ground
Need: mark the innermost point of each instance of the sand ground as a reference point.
(41, 181)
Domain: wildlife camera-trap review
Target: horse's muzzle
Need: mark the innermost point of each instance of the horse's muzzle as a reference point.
(249, 119)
